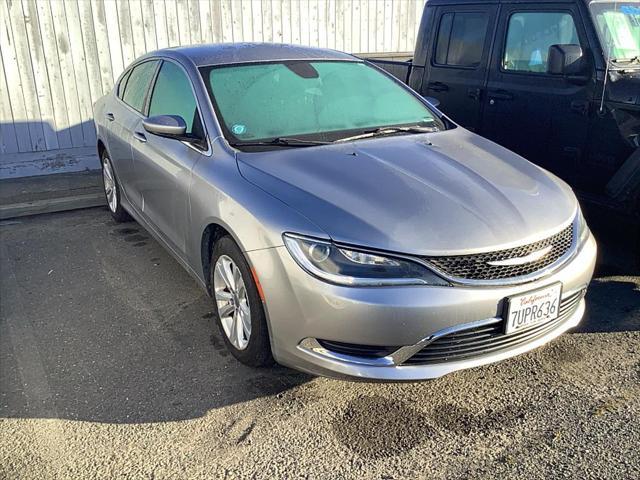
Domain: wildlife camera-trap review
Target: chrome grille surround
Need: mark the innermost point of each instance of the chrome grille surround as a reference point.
(476, 269)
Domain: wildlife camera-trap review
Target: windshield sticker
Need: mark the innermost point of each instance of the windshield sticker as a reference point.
(238, 129)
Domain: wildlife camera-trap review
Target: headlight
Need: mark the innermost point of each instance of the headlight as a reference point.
(349, 267)
(582, 228)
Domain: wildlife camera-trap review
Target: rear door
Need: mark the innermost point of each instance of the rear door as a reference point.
(541, 116)
(456, 72)
(123, 114)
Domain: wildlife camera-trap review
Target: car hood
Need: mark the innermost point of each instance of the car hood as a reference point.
(447, 193)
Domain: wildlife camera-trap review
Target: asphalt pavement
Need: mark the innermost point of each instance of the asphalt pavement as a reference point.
(110, 367)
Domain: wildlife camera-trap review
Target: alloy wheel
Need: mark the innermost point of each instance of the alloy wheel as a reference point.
(110, 185)
(233, 302)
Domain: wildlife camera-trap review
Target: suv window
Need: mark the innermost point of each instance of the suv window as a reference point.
(135, 91)
(172, 95)
(461, 39)
(529, 36)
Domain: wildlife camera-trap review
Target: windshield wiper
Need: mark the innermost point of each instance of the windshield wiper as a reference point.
(281, 142)
(383, 131)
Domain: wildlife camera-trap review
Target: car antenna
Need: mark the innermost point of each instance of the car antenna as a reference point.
(606, 68)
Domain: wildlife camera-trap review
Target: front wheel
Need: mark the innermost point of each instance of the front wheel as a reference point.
(238, 306)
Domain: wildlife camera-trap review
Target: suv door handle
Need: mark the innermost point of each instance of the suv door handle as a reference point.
(501, 95)
(110, 116)
(580, 106)
(438, 86)
(140, 137)
(474, 93)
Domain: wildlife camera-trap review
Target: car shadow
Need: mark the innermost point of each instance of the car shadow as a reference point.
(99, 323)
(613, 305)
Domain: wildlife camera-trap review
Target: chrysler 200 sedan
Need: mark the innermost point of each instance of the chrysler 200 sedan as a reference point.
(342, 224)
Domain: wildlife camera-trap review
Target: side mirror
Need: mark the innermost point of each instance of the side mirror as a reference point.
(434, 102)
(568, 60)
(172, 126)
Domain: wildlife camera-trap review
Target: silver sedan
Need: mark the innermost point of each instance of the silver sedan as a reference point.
(342, 224)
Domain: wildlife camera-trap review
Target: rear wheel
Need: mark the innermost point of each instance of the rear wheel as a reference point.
(112, 191)
(238, 306)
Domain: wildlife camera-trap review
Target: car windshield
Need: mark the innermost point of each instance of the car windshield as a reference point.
(319, 101)
(618, 25)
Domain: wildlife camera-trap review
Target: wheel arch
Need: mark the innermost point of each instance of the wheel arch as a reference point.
(101, 148)
(210, 235)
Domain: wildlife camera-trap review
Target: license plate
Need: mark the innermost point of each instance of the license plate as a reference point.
(533, 308)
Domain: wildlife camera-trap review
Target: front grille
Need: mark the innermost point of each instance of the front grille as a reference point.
(476, 267)
(488, 338)
(364, 351)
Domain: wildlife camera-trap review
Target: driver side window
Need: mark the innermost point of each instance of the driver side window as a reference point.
(529, 36)
(172, 95)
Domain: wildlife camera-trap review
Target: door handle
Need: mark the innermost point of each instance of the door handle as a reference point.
(110, 116)
(474, 93)
(501, 95)
(438, 86)
(580, 107)
(140, 137)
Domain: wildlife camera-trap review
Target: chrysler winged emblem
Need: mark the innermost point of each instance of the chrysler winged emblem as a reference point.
(532, 257)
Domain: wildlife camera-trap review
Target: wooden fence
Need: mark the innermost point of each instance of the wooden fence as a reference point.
(59, 56)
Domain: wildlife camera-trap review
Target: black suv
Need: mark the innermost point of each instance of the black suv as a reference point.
(555, 81)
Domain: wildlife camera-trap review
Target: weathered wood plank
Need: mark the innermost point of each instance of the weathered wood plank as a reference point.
(27, 81)
(340, 20)
(173, 27)
(227, 21)
(160, 22)
(92, 56)
(149, 25)
(105, 54)
(56, 84)
(137, 28)
(79, 61)
(8, 137)
(267, 21)
(183, 22)
(63, 43)
(206, 22)
(256, 15)
(282, 20)
(40, 74)
(194, 22)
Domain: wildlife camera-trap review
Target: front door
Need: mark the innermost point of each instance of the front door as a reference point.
(457, 70)
(163, 165)
(541, 116)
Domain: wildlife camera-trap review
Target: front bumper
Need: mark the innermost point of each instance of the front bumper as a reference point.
(301, 309)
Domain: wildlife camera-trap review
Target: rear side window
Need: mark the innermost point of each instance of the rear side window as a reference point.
(123, 83)
(530, 35)
(135, 91)
(461, 39)
(172, 95)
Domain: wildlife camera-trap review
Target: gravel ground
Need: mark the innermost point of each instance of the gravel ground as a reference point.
(110, 368)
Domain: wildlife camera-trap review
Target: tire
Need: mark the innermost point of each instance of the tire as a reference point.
(112, 191)
(249, 342)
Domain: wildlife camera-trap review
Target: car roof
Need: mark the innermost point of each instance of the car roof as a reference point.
(230, 53)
